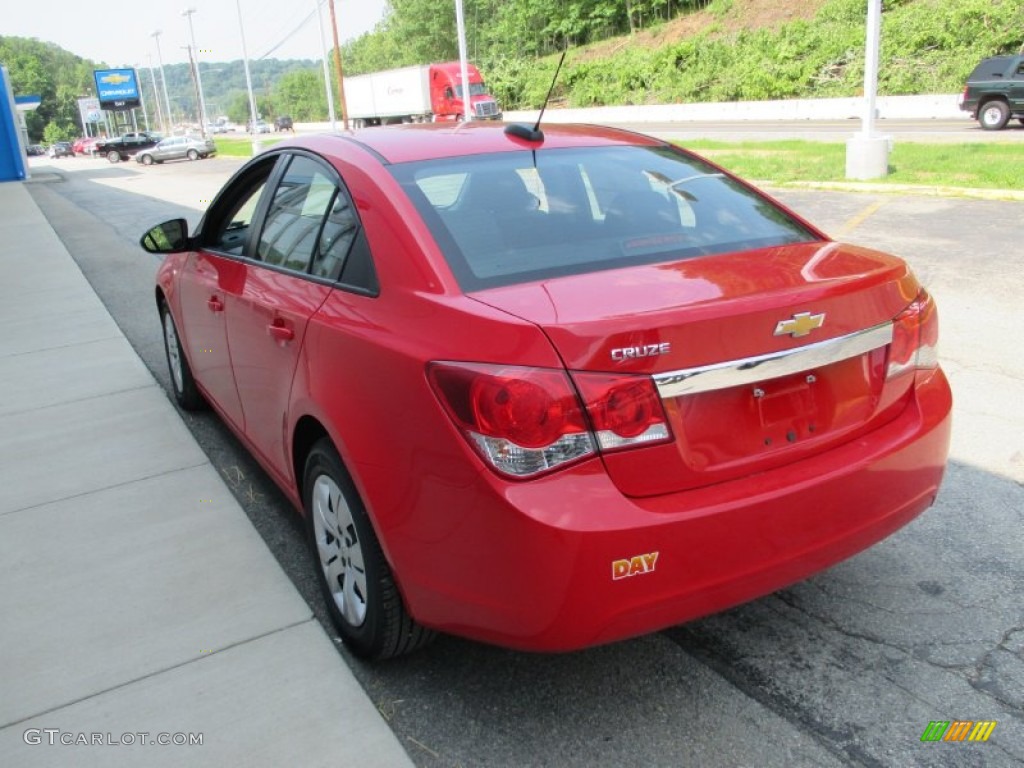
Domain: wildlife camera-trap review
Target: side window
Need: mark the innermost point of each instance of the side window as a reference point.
(291, 232)
(227, 224)
(336, 239)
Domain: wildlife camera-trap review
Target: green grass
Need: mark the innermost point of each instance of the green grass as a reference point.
(241, 146)
(976, 165)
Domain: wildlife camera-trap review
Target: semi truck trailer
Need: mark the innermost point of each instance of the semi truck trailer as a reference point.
(422, 93)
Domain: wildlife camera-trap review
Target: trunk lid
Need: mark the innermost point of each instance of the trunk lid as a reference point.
(747, 380)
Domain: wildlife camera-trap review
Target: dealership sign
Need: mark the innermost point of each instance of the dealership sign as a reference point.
(90, 111)
(117, 89)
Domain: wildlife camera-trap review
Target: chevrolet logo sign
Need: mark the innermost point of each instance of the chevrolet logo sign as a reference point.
(801, 324)
(114, 79)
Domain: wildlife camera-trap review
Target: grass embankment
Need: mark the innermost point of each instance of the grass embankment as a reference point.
(241, 146)
(977, 166)
(743, 50)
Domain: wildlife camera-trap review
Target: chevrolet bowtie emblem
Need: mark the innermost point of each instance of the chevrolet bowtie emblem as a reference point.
(801, 324)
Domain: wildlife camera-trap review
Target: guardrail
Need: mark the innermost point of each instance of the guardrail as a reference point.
(929, 107)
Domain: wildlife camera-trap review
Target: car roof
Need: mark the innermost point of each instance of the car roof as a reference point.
(431, 141)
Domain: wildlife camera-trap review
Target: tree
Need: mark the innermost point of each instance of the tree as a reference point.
(58, 77)
(301, 94)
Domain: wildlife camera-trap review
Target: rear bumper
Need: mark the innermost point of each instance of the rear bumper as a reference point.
(533, 565)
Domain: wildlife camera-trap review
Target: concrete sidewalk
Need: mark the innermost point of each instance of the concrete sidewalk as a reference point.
(137, 603)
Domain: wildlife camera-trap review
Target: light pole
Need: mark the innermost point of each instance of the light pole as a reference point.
(867, 153)
(199, 80)
(256, 147)
(156, 99)
(467, 101)
(163, 78)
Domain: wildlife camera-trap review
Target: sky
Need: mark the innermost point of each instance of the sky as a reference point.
(277, 29)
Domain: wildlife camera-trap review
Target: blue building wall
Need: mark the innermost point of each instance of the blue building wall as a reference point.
(12, 157)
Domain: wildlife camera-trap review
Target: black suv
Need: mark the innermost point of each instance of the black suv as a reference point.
(995, 92)
(283, 123)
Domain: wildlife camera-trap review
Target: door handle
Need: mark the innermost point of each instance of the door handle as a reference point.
(215, 304)
(280, 331)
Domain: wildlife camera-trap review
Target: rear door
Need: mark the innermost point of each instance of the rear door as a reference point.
(1016, 86)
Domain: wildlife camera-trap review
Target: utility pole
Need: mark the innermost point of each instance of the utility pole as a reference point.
(337, 67)
(327, 70)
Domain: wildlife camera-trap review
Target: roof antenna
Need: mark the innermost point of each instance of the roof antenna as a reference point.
(521, 131)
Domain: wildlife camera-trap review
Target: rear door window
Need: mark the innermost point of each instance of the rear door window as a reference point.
(296, 214)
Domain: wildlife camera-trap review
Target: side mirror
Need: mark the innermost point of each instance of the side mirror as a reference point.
(169, 237)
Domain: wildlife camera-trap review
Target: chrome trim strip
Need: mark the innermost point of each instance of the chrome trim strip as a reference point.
(735, 373)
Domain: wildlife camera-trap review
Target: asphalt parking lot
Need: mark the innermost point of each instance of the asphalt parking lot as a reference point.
(846, 668)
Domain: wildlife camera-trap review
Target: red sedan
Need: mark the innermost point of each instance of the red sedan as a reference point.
(549, 391)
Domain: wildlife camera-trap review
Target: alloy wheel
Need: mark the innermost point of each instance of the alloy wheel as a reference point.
(173, 353)
(339, 550)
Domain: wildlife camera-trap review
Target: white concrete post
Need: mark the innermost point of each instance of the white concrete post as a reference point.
(867, 154)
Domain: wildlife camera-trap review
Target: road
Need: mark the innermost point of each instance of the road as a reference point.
(925, 131)
(847, 668)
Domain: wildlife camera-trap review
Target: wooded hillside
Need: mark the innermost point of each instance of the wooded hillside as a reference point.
(656, 51)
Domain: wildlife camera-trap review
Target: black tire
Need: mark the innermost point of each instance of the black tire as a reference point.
(994, 115)
(355, 579)
(147, 159)
(192, 155)
(183, 385)
(113, 157)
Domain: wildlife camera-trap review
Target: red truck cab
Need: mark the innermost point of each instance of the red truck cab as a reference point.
(446, 93)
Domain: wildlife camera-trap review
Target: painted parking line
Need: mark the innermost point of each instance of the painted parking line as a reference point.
(855, 221)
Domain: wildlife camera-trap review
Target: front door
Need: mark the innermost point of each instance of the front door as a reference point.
(202, 288)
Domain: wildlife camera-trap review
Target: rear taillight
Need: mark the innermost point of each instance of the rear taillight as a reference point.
(525, 421)
(624, 410)
(915, 338)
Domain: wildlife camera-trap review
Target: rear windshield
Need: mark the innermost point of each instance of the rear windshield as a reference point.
(515, 217)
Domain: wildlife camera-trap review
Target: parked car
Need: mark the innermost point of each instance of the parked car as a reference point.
(126, 146)
(995, 92)
(86, 145)
(177, 148)
(259, 127)
(550, 389)
(283, 123)
(35, 150)
(60, 149)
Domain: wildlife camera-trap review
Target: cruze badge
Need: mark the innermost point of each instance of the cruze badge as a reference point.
(801, 324)
(644, 350)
